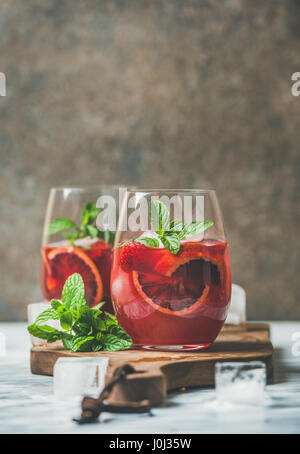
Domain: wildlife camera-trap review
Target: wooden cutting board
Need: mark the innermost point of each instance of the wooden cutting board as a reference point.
(165, 371)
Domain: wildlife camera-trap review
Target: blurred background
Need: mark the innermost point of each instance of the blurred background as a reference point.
(168, 93)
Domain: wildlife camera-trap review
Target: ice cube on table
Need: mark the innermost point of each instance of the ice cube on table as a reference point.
(35, 309)
(237, 308)
(241, 382)
(74, 377)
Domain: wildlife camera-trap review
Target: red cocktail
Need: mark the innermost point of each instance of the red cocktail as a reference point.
(93, 263)
(74, 243)
(170, 281)
(172, 300)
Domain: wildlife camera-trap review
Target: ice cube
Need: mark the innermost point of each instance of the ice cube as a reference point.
(74, 377)
(241, 382)
(237, 308)
(35, 309)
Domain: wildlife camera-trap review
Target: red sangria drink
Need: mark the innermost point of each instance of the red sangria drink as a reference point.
(73, 243)
(171, 289)
(93, 263)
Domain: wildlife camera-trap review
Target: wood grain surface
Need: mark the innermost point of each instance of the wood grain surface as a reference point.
(164, 371)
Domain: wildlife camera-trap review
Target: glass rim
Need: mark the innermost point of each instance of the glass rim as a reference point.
(167, 190)
(86, 187)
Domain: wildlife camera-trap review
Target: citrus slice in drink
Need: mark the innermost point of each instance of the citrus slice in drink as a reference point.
(210, 270)
(172, 295)
(64, 261)
(181, 284)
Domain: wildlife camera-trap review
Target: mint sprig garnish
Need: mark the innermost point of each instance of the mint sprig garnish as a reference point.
(86, 228)
(150, 242)
(84, 328)
(160, 217)
(59, 224)
(170, 233)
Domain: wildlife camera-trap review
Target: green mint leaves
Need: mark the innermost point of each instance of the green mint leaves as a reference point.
(193, 228)
(89, 213)
(85, 329)
(87, 226)
(150, 242)
(170, 233)
(73, 293)
(160, 217)
(59, 224)
(45, 332)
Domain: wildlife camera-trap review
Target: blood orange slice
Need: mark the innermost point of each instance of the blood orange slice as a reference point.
(178, 294)
(64, 261)
(180, 283)
(211, 269)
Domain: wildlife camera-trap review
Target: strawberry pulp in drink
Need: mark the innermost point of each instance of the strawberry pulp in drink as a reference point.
(90, 258)
(164, 300)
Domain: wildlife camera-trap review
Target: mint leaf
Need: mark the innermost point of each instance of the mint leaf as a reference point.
(59, 224)
(118, 331)
(92, 230)
(176, 226)
(66, 320)
(147, 241)
(111, 317)
(73, 292)
(48, 314)
(160, 217)
(110, 320)
(169, 232)
(89, 213)
(171, 242)
(84, 324)
(45, 332)
(85, 328)
(114, 343)
(99, 325)
(98, 306)
(194, 228)
(96, 346)
(82, 329)
(99, 336)
(67, 340)
(82, 343)
(55, 304)
(71, 237)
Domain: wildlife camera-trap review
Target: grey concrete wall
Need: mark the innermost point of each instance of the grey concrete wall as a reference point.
(155, 93)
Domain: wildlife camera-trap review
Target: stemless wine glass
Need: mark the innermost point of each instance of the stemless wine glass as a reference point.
(170, 281)
(72, 243)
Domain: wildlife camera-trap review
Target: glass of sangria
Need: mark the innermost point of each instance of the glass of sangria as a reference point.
(72, 243)
(170, 280)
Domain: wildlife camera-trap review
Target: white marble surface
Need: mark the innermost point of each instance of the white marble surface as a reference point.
(27, 404)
